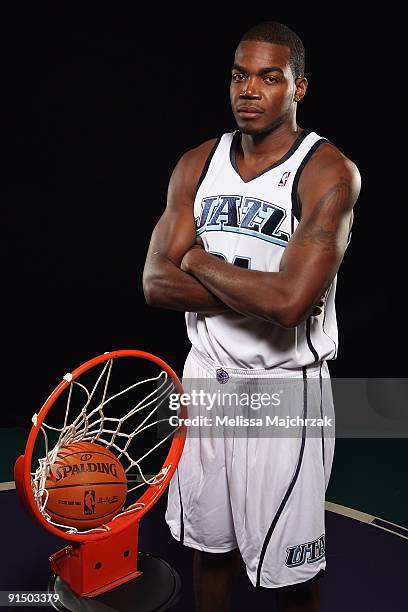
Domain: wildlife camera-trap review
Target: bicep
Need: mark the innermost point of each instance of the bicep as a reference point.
(175, 231)
(316, 249)
(173, 235)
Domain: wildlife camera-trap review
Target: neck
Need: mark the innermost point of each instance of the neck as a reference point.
(278, 138)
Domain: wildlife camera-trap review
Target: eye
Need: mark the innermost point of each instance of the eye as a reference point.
(270, 79)
(238, 77)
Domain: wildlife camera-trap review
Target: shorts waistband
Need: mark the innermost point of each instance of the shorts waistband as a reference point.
(214, 368)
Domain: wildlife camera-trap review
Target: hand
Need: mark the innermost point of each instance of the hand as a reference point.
(185, 264)
(199, 244)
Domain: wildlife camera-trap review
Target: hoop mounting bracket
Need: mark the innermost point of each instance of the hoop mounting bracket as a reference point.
(91, 568)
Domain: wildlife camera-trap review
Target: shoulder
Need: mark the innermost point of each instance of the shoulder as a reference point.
(328, 156)
(328, 168)
(189, 167)
(186, 175)
(194, 159)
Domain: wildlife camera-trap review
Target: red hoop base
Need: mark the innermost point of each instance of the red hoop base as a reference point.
(93, 567)
(96, 562)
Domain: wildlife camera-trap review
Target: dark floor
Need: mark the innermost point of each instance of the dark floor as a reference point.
(367, 568)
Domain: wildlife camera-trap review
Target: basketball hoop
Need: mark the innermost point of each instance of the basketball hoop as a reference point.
(96, 409)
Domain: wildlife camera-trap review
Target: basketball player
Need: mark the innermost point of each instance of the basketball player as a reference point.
(255, 229)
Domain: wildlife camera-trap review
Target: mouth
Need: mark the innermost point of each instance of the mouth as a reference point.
(249, 112)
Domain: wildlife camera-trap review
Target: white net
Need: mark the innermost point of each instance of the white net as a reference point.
(93, 423)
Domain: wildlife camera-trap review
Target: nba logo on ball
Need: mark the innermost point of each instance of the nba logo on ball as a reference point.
(284, 179)
(89, 502)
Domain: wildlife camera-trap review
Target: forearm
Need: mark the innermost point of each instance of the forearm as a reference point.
(252, 293)
(166, 286)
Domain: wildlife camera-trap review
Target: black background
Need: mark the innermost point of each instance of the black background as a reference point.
(98, 109)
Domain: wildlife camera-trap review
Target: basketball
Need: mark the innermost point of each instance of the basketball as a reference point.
(86, 486)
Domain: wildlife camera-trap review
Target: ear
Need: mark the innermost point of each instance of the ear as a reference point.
(300, 88)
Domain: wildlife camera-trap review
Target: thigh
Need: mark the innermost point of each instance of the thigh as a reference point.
(199, 508)
(277, 484)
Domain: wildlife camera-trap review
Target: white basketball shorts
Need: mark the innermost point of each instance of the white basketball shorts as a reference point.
(253, 476)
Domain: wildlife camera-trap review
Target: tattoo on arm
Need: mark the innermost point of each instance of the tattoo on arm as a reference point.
(321, 228)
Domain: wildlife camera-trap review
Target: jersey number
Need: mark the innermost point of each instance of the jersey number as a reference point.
(241, 262)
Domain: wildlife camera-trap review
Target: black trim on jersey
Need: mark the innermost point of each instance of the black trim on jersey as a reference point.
(296, 211)
(296, 214)
(181, 511)
(326, 334)
(207, 163)
(321, 407)
(309, 340)
(290, 487)
(233, 149)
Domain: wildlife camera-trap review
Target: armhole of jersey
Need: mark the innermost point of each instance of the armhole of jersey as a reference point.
(296, 210)
(296, 214)
(207, 163)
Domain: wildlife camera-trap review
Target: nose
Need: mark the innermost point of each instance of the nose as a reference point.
(249, 90)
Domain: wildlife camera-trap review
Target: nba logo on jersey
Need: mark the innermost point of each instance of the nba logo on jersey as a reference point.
(284, 179)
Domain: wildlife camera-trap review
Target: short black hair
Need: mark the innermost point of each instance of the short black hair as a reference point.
(279, 34)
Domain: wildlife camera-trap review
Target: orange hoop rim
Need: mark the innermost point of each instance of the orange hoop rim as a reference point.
(22, 468)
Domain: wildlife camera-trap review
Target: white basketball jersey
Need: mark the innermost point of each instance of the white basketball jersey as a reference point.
(249, 223)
